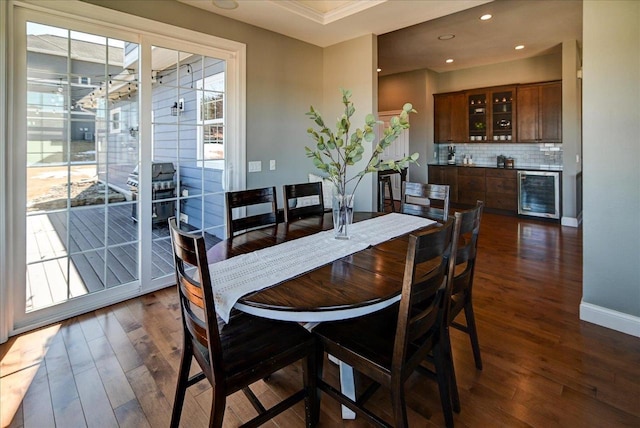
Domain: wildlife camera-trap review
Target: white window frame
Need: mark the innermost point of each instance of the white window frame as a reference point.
(90, 16)
(209, 163)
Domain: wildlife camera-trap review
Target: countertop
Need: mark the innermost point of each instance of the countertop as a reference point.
(517, 167)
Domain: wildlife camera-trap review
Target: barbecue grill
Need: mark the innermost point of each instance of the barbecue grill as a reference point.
(163, 187)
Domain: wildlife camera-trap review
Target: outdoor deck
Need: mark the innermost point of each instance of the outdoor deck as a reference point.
(85, 268)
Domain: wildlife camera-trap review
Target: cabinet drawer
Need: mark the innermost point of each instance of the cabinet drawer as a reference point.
(470, 197)
(502, 201)
(471, 171)
(466, 183)
(502, 185)
(502, 173)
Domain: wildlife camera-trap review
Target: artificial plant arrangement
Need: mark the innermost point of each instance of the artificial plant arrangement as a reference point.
(335, 151)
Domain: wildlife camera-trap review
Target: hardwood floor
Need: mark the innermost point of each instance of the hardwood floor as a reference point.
(543, 367)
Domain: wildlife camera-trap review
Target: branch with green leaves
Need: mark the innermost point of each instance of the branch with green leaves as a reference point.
(335, 151)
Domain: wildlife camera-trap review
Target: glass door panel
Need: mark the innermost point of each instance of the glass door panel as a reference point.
(82, 142)
(188, 123)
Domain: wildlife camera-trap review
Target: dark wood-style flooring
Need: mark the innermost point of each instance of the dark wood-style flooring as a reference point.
(543, 367)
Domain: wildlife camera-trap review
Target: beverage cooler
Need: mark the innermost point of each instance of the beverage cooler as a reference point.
(539, 194)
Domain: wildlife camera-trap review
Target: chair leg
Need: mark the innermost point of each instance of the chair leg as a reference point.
(181, 386)
(393, 205)
(218, 404)
(473, 333)
(444, 382)
(399, 405)
(451, 372)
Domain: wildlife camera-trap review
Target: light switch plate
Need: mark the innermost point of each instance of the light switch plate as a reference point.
(255, 166)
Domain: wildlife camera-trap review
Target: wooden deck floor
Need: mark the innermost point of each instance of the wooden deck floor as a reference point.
(84, 260)
(543, 367)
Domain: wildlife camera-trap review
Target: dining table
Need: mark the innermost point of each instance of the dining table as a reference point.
(349, 286)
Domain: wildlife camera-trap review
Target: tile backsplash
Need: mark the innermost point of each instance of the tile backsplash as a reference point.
(537, 154)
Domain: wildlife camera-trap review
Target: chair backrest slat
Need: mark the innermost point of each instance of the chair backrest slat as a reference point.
(425, 200)
(247, 198)
(298, 191)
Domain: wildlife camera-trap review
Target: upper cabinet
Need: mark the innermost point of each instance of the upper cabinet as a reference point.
(540, 112)
(518, 113)
(449, 113)
(503, 123)
(478, 115)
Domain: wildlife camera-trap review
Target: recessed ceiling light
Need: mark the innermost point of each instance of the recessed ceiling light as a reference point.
(519, 47)
(486, 17)
(446, 37)
(225, 4)
(449, 61)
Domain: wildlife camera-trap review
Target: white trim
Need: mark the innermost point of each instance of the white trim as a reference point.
(572, 221)
(324, 18)
(101, 300)
(316, 316)
(6, 308)
(605, 317)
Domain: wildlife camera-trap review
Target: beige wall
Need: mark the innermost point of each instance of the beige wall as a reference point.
(611, 147)
(415, 87)
(351, 65)
(536, 69)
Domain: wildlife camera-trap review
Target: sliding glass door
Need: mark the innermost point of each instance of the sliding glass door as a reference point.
(81, 114)
(121, 132)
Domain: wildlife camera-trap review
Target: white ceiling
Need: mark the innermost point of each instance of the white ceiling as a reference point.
(408, 30)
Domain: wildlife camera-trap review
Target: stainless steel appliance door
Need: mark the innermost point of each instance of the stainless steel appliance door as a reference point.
(539, 193)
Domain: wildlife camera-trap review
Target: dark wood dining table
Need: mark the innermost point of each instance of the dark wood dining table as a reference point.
(351, 286)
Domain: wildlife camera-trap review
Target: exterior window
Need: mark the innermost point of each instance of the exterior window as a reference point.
(211, 117)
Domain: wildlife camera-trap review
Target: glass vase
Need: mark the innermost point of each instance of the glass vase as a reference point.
(342, 214)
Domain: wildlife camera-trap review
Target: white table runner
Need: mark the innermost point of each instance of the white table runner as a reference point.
(233, 278)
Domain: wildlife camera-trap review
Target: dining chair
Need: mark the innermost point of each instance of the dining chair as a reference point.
(308, 200)
(461, 290)
(232, 356)
(388, 345)
(425, 200)
(248, 198)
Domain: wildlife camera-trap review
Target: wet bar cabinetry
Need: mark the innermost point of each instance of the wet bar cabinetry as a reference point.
(495, 186)
(514, 113)
(450, 123)
(540, 113)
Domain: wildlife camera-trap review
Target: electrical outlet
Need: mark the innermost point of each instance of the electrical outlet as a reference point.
(272, 164)
(184, 218)
(255, 166)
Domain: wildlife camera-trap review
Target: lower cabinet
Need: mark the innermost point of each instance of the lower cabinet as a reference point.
(471, 185)
(445, 175)
(502, 189)
(467, 185)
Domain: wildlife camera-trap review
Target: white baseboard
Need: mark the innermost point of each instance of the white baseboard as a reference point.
(569, 221)
(609, 318)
